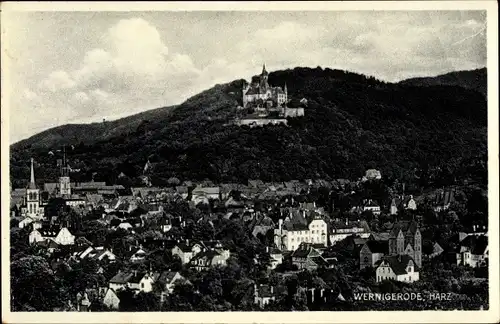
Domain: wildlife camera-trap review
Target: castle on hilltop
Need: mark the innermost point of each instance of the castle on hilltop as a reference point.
(264, 104)
(261, 93)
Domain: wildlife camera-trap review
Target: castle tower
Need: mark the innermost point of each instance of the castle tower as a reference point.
(64, 180)
(32, 195)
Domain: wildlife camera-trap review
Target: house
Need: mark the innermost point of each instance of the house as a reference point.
(99, 254)
(168, 280)
(137, 254)
(372, 174)
(403, 202)
(371, 252)
(263, 295)
(187, 250)
(398, 267)
(339, 231)
(294, 230)
(436, 250)
(125, 225)
(372, 206)
(135, 280)
(142, 281)
(60, 236)
(405, 238)
(120, 281)
(473, 251)
(307, 256)
(276, 257)
(205, 194)
(209, 258)
(111, 300)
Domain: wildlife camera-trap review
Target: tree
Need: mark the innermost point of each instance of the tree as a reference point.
(34, 285)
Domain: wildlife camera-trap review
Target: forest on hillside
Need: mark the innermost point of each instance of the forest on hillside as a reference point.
(433, 135)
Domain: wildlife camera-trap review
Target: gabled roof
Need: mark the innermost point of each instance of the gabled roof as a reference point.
(305, 250)
(207, 255)
(398, 263)
(121, 277)
(50, 231)
(167, 276)
(475, 244)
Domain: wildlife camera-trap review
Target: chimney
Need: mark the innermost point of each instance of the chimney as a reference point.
(280, 224)
(347, 221)
(473, 228)
(267, 249)
(187, 242)
(272, 289)
(135, 273)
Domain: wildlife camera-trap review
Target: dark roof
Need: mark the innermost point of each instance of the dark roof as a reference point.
(305, 250)
(209, 255)
(408, 228)
(121, 277)
(51, 231)
(167, 276)
(136, 277)
(476, 244)
(398, 263)
(378, 246)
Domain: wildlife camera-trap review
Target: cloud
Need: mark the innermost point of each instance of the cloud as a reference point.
(133, 70)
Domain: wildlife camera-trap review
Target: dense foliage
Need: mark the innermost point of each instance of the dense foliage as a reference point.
(352, 123)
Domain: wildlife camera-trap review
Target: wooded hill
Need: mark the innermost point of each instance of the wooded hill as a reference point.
(352, 123)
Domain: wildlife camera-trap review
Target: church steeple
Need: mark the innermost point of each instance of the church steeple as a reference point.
(32, 184)
(264, 72)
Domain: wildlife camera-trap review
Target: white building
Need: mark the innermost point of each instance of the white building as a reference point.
(340, 231)
(372, 206)
(111, 300)
(186, 251)
(290, 234)
(60, 236)
(473, 251)
(400, 268)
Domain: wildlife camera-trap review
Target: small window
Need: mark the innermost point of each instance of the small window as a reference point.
(142, 285)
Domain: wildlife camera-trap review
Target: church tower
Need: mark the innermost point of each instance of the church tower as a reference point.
(64, 180)
(32, 195)
(264, 85)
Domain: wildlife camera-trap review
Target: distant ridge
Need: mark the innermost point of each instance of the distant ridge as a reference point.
(90, 133)
(471, 79)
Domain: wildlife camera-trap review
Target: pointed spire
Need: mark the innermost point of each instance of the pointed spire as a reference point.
(32, 184)
(264, 72)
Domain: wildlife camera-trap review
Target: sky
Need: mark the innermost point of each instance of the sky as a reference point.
(74, 67)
